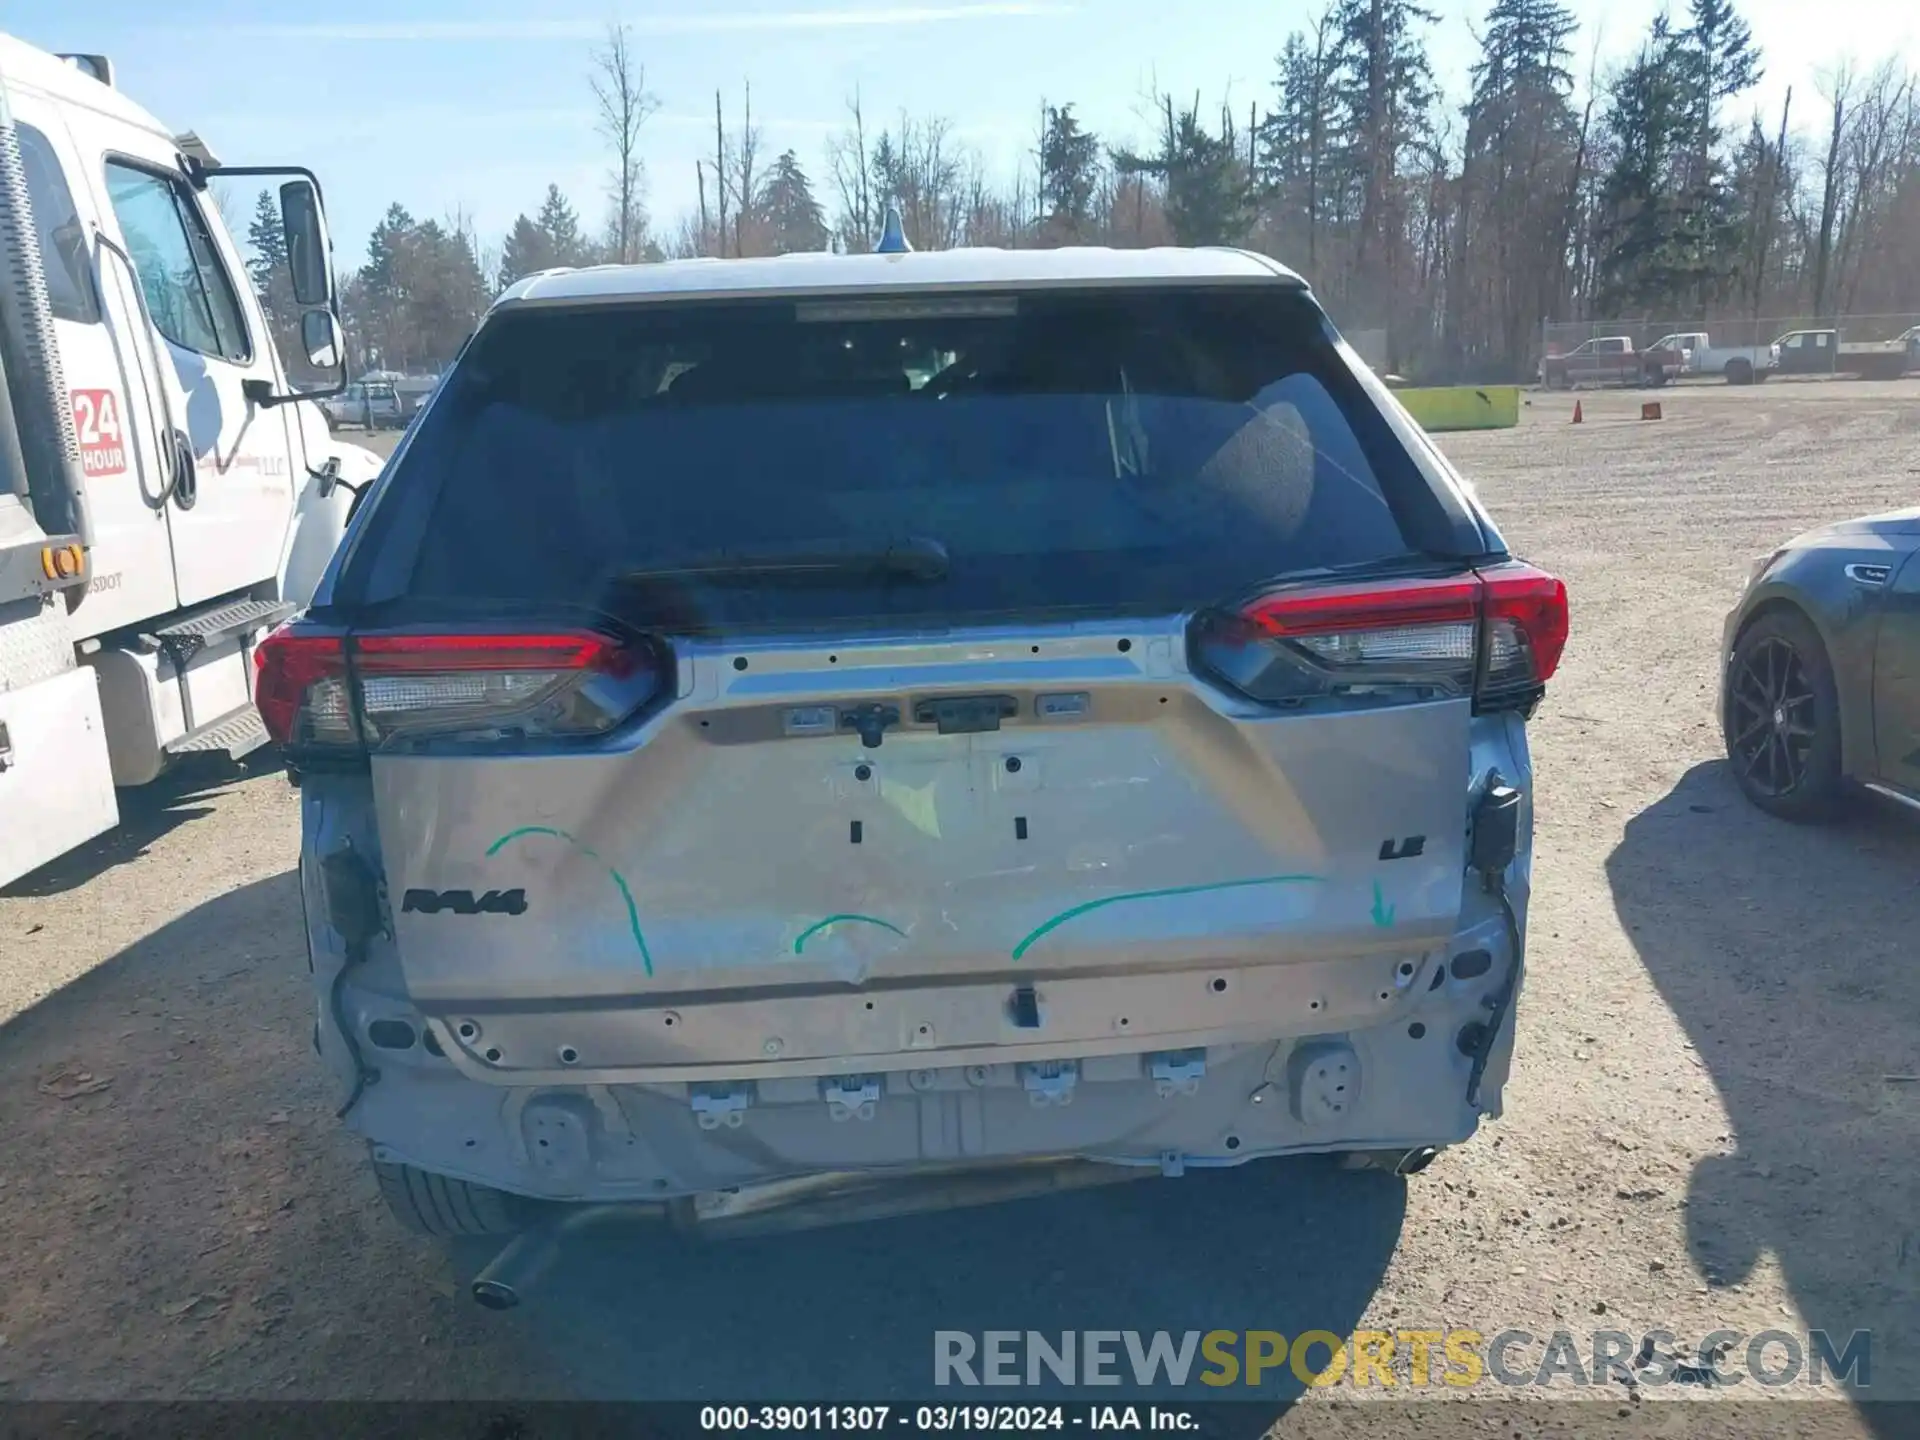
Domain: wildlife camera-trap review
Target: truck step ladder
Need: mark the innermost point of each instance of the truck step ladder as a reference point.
(239, 733)
(189, 635)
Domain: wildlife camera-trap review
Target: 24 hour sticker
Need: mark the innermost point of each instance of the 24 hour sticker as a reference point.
(96, 420)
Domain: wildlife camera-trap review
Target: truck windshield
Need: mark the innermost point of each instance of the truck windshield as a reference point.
(1102, 450)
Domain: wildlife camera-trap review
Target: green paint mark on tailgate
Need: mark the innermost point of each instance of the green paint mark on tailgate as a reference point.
(626, 894)
(1078, 910)
(814, 929)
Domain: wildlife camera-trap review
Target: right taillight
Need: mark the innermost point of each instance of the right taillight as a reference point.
(1526, 631)
(1495, 634)
(320, 689)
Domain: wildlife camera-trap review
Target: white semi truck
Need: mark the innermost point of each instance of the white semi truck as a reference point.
(167, 493)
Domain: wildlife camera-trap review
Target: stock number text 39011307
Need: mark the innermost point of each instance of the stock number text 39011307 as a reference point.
(815, 1419)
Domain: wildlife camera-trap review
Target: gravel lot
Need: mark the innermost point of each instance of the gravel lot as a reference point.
(1699, 1133)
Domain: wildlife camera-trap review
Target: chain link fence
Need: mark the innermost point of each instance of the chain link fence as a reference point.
(1812, 355)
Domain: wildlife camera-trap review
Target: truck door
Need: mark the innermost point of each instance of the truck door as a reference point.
(132, 567)
(1603, 366)
(1896, 680)
(229, 459)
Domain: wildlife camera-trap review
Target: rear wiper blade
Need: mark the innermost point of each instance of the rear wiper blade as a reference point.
(909, 558)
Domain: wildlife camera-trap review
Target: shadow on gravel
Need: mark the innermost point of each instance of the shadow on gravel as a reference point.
(189, 1221)
(851, 1313)
(146, 814)
(1792, 957)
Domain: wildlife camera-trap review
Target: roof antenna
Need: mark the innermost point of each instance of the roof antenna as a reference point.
(893, 235)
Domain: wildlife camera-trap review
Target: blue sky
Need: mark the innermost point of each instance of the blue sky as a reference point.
(477, 105)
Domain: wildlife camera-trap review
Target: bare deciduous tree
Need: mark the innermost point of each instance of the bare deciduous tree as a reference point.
(1457, 226)
(623, 104)
(848, 164)
(748, 236)
(720, 167)
(1837, 91)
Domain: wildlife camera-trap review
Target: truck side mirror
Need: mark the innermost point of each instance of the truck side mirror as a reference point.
(309, 255)
(320, 335)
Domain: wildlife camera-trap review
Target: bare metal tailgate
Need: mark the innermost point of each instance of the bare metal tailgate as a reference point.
(1130, 854)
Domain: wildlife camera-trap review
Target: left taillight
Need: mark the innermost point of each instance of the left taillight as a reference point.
(320, 689)
(1495, 634)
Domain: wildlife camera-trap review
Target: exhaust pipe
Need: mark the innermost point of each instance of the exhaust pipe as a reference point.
(1414, 1161)
(786, 1206)
(525, 1259)
(517, 1268)
(1394, 1162)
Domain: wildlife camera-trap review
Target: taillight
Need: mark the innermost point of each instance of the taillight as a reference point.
(319, 689)
(1527, 621)
(1495, 634)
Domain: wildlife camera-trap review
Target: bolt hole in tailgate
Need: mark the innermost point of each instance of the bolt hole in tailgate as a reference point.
(1050, 674)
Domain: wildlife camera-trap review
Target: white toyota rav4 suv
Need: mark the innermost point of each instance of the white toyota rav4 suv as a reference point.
(793, 727)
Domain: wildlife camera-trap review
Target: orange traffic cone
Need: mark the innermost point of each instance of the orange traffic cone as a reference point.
(1576, 412)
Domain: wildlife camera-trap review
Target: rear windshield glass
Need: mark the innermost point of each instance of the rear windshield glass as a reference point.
(1068, 453)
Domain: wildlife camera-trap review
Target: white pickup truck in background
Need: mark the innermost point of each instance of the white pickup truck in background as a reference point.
(1741, 364)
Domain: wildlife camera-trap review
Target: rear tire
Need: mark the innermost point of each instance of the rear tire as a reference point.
(1780, 717)
(430, 1204)
(1739, 372)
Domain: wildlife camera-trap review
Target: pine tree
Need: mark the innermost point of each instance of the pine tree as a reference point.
(445, 290)
(1512, 221)
(1524, 51)
(786, 205)
(1719, 62)
(545, 241)
(1069, 175)
(559, 225)
(419, 293)
(889, 170)
(269, 242)
(267, 265)
(528, 249)
(1383, 95)
(1283, 130)
(1716, 61)
(1209, 196)
(1641, 234)
(386, 249)
(1293, 147)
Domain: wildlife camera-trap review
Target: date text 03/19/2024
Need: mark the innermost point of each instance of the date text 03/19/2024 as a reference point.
(943, 1419)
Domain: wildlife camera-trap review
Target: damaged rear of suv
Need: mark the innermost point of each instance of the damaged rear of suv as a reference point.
(779, 728)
